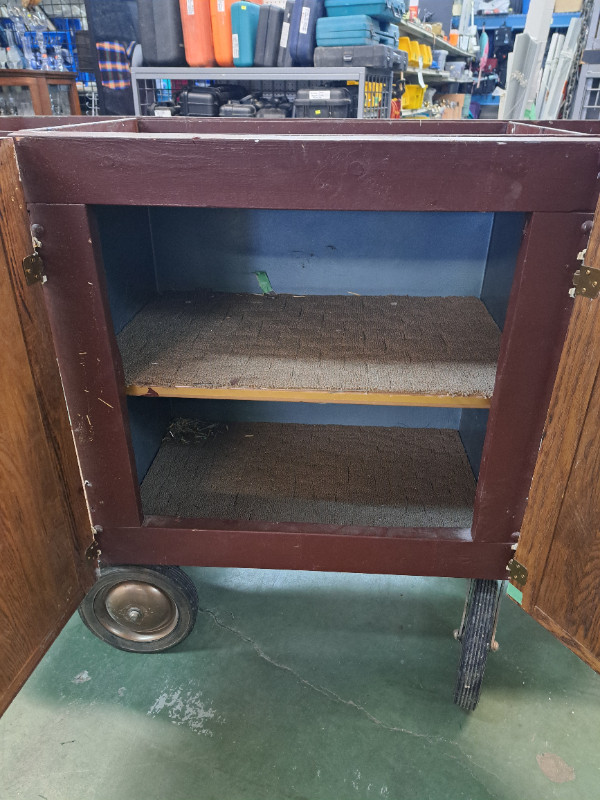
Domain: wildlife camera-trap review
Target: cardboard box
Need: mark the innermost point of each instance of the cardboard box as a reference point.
(567, 6)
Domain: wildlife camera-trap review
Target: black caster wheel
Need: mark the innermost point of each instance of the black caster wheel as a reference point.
(141, 609)
(476, 635)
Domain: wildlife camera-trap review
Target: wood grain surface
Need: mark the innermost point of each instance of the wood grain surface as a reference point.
(44, 524)
(560, 535)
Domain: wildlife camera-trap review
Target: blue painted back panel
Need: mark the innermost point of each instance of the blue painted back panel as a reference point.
(128, 260)
(322, 252)
(505, 240)
(316, 413)
(148, 422)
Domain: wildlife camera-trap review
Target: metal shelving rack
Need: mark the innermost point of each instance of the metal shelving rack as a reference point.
(419, 33)
(153, 84)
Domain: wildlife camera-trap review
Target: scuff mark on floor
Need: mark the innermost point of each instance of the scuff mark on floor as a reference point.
(184, 707)
(555, 768)
(82, 677)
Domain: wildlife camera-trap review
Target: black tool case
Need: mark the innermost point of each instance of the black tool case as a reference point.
(322, 102)
(235, 109)
(160, 32)
(268, 36)
(284, 56)
(206, 101)
(376, 56)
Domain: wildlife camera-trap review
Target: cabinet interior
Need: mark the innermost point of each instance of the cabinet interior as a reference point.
(357, 393)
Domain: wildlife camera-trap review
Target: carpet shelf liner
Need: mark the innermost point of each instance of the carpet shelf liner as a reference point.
(415, 345)
(330, 474)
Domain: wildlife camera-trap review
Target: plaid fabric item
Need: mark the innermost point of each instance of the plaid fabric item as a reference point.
(113, 62)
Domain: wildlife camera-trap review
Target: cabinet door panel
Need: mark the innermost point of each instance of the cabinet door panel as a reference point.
(560, 536)
(44, 525)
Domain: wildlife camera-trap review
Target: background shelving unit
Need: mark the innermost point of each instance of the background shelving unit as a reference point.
(155, 84)
(492, 22)
(419, 33)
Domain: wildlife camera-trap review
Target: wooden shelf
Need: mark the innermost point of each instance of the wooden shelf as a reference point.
(420, 351)
(328, 474)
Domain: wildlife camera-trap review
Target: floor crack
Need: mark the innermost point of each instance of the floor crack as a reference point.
(322, 690)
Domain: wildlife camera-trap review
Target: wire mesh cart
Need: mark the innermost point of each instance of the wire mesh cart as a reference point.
(371, 98)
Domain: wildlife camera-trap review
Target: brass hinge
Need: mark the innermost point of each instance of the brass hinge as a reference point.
(93, 551)
(517, 572)
(587, 282)
(33, 267)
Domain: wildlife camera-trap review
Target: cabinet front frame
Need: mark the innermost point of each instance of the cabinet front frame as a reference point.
(337, 172)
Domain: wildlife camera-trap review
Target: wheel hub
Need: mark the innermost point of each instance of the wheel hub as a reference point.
(136, 610)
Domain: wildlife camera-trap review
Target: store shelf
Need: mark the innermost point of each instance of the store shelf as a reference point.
(374, 101)
(437, 43)
(436, 76)
(327, 474)
(515, 21)
(430, 351)
(429, 112)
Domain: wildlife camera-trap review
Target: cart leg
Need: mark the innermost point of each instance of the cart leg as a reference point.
(476, 635)
(141, 609)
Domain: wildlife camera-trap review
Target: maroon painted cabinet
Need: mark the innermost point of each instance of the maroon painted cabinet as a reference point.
(325, 347)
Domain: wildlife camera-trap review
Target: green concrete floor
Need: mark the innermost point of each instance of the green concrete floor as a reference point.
(298, 685)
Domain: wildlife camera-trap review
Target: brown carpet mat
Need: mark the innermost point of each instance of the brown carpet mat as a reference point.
(425, 345)
(334, 474)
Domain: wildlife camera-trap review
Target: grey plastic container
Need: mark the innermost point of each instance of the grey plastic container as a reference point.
(440, 56)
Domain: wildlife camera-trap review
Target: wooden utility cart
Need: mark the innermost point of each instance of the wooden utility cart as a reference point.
(289, 348)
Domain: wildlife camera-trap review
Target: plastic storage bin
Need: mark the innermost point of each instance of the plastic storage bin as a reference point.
(384, 10)
(412, 98)
(244, 26)
(426, 55)
(197, 33)
(440, 56)
(414, 54)
(322, 103)
(456, 68)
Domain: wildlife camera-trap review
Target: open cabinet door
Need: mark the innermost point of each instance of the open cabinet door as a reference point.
(45, 533)
(555, 574)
